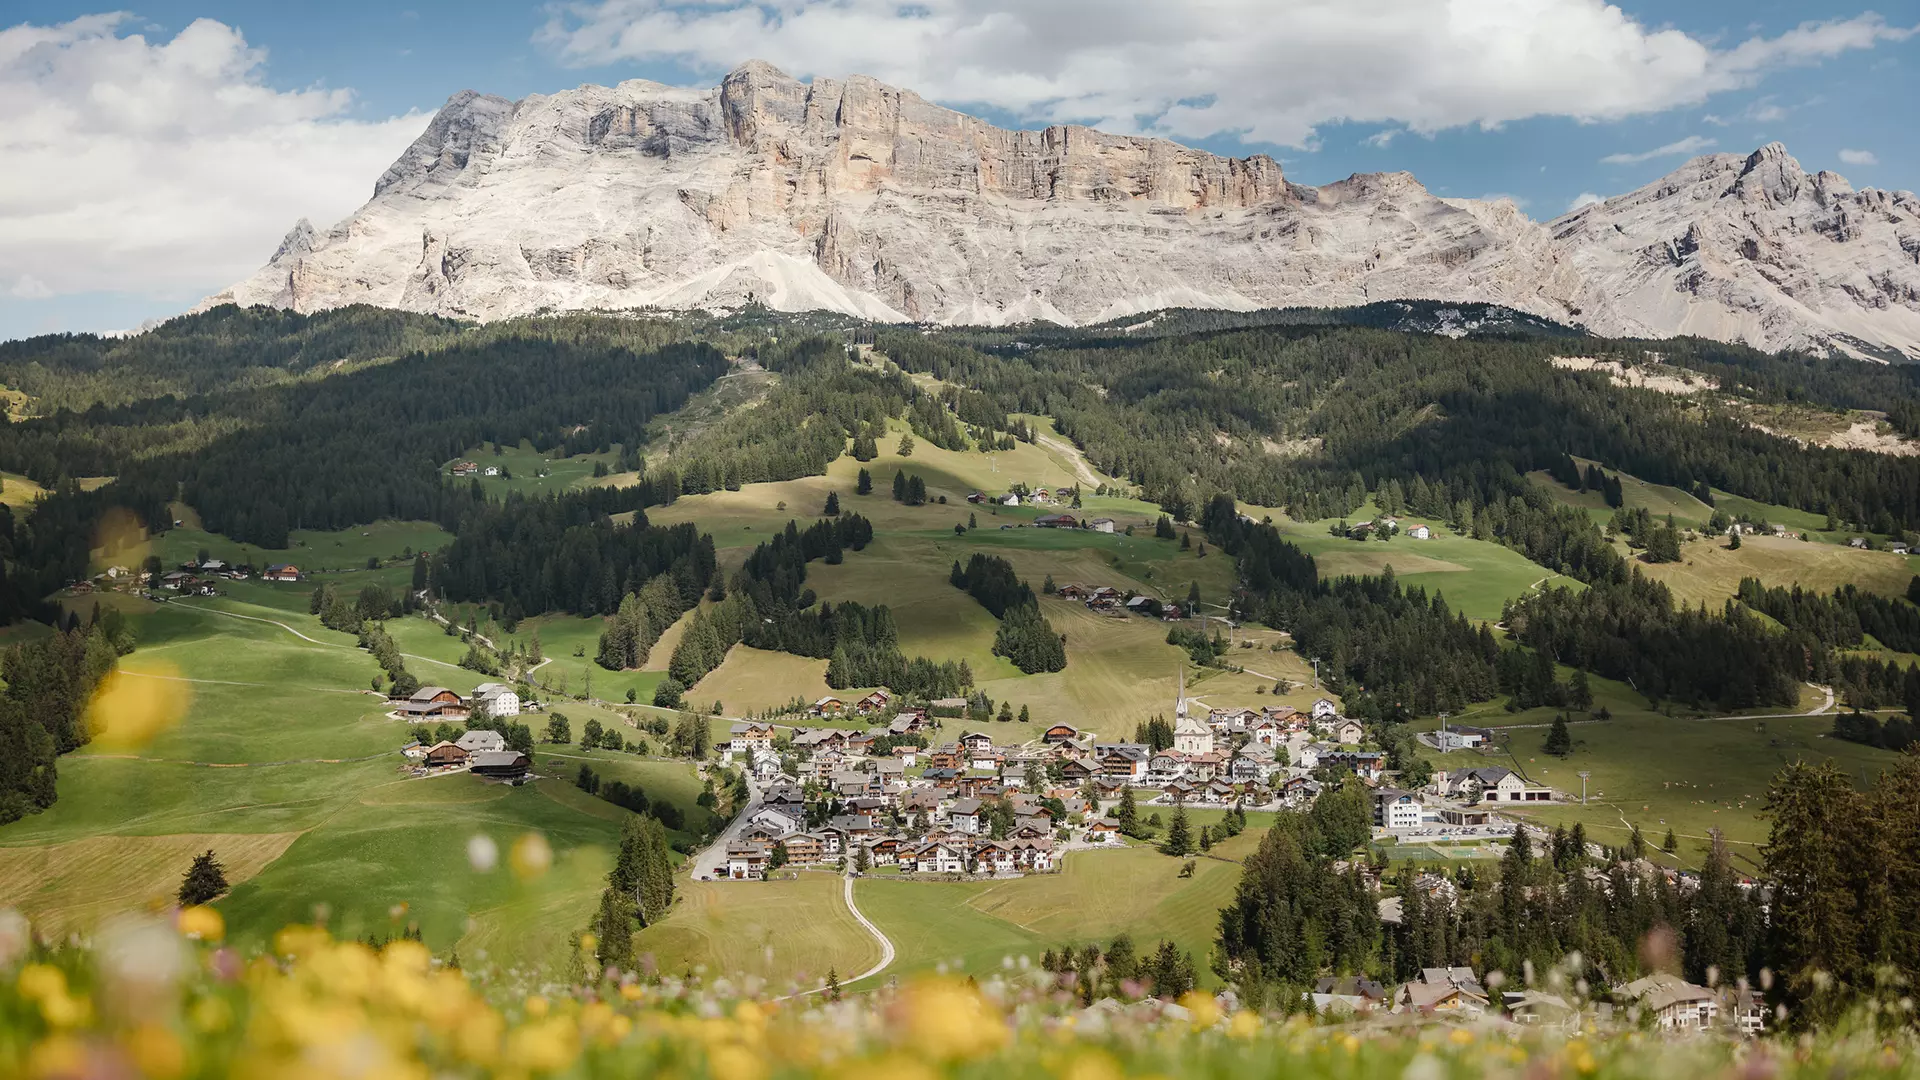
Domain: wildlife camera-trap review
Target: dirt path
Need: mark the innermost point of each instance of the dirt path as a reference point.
(317, 641)
(886, 946)
(1071, 453)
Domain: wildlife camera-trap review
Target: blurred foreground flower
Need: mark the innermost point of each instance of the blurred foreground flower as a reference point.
(132, 708)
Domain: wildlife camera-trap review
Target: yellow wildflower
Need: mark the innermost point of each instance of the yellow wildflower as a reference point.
(945, 1019)
(56, 1055)
(1202, 1010)
(731, 1062)
(202, 923)
(157, 1052)
(530, 857)
(1460, 1037)
(1245, 1024)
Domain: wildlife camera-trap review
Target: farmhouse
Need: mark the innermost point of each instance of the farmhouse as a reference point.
(873, 703)
(281, 572)
(1420, 532)
(445, 753)
(437, 701)
(829, 706)
(1059, 733)
(499, 764)
(1103, 525)
(498, 699)
(481, 741)
(1349, 731)
(1055, 521)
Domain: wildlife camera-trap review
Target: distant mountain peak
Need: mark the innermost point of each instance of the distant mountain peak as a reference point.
(864, 198)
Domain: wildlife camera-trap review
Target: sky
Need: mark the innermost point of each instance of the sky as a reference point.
(151, 157)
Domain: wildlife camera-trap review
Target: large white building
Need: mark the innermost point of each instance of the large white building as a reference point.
(498, 699)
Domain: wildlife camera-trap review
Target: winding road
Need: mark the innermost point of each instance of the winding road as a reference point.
(886, 947)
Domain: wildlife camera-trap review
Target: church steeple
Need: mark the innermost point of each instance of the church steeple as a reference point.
(1180, 702)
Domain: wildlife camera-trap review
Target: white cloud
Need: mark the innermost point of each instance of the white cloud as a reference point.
(165, 167)
(29, 287)
(1692, 144)
(1859, 157)
(1269, 70)
(1585, 198)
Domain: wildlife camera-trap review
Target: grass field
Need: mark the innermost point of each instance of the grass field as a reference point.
(972, 926)
(531, 472)
(282, 764)
(1476, 576)
(1709, 572)
(784, 932)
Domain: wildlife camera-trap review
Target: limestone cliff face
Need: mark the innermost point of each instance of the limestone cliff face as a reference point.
(859, 197)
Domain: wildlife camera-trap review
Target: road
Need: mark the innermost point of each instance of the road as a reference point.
(712, 859)
(886, 946)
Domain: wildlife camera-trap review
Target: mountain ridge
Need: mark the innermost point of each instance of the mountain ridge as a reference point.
(855, 196)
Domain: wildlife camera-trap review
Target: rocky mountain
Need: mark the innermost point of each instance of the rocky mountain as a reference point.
(862, 198)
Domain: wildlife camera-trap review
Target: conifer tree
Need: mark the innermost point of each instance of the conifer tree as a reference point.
(1127, 815)
(833, 504)
(864, 484)
(1179, 834)
(1559, 740)
(206, 879)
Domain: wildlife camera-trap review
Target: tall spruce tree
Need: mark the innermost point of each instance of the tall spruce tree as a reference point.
(206, 879)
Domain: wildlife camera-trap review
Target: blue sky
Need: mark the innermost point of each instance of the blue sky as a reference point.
(132, 195)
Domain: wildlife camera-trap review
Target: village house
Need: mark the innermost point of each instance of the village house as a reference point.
(432, 701)
(497, 699)
(1396, 810)
(1055, 521)
(1102, 832)
(499, 764)
(1102, 525)
(1351, 732)
(1420, 532)
(1325, 709)
(445, 753)
(1059, 733)
(873, 703)
(1442, 992)
(1122, 761)
(747, 861)
(828, 707)
(1494, 784)
(281, 572)
(481, 741)
(749, 735)
(466, 468)
(1673, 1003)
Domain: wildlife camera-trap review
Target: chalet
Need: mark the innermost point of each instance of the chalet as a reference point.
(1055, 521)
(176, 580)
(481, 741)
(1395, 810)
(1122, 761)
(1444, 999)
(1351, 732)
(750, 735)
(778, 820)
(975, 743)
(1365, 764)
(785, 797)
(946, 757)
(805, 847)
(498, 699)
(281, 572)
(1172, 612)
(446, 753)
(934, 858)
(1243, 770)
(466, 468)
(1033, 855)
(853, 827)
(947, 706)
(1536, 1008)
(1071, 592)
(907, 723)
(746, 862)
(1165, 766)
(1324, 709)
(1009, 499)
(437, 701)
(1077, 770)
(1267, 731)
(499, 764)
(828, 706)
(1032, 827)
(1857, 542)
(1180, 789)
(1493, 784)
(1673, 1003)
(873, 703)
(1420, 532)
(1748, 1011)
(947, 779)
(859, 745)
(1103, 832)
(1059, 733)
(1347, 994)
(1233, 720)
(1103, 525)
(1142, 605)
(816, 740)
(884, 852)
(994, 857)
(1204, 767)
(919, 800)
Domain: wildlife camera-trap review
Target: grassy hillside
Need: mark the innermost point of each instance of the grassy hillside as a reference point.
(282, 764)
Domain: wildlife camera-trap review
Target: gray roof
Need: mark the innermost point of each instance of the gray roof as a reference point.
(480, 739)
(965, 806)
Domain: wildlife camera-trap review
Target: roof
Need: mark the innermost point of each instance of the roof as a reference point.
(965, 806)
(497, 759)
(428, 693)
(481, 739)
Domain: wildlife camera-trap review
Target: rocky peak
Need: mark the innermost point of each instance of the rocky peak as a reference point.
(859, 197)
(1770, 174)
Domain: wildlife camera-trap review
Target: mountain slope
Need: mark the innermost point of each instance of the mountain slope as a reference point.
(861, 198)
